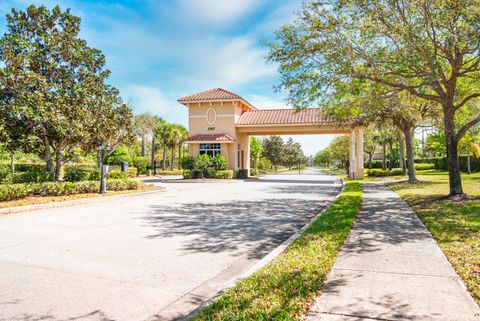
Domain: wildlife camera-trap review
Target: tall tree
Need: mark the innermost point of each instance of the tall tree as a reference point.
(256, 150)
(54, 76)
(144, 127)
(273, 150)
(369, 145)
(111, 125)
(165, 133)
(430, 49)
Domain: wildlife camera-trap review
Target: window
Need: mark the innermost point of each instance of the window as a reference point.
(210, 149)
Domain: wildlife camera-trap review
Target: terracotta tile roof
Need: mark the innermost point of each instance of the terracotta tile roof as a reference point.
(284, 117)
(211, 94)
(220, 138)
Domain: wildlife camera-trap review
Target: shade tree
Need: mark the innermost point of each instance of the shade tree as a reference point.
(430, 49)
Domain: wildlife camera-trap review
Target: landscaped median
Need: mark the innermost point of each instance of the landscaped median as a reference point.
(34, 193)
(286, 287)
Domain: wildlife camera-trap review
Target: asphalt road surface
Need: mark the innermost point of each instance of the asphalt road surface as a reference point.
(149, 257)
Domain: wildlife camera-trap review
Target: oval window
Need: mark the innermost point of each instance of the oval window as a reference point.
(211, 116)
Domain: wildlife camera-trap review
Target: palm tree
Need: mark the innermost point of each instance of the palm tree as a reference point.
(468, 143)
(165, 132)
(182, 136)
(144, 126)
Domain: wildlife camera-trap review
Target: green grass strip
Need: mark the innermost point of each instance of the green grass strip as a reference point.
(285, 288)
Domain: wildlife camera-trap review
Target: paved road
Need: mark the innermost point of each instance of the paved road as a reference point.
(148, 257)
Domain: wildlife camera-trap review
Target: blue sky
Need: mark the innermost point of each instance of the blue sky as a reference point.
(161, 50)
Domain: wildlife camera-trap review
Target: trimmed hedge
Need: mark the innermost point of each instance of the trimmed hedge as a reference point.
(15, 191)
(225, 174)
(375, 172)
(423, 167)
(37, 176)
(242, 173)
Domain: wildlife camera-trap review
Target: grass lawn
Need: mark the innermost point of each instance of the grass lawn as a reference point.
(455, 225)
(286, 287)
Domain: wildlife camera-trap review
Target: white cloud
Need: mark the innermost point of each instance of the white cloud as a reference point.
(264, 102)
(147, 99)
(216, 12)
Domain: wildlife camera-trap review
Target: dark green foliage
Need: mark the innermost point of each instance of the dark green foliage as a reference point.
(15, 191)
(77, 175)
(141, 163)
(36, 176)
(219, 162)
(188, 163)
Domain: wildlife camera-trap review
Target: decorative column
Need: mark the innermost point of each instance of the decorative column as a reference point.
(359, 156)
(244, 141)
(353, 155)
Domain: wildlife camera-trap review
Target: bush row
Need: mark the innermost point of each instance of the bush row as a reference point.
(376, 172)
(16, 191)
(222, 174)
(423, 167)
(77, 175)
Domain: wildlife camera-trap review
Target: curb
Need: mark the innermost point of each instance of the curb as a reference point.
(59, 204)
(267, 259)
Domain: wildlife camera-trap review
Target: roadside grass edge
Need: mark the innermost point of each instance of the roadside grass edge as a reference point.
(285, 288)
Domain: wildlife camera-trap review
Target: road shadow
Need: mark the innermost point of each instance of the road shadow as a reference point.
(252, 227)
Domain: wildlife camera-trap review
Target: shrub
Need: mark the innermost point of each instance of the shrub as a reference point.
(203, 162)
(87, 187)
(27, 167)
(254, 171)
(141, 163)
(170, 172)
(77, 175)
(422, 167)
(376, 172)
(14, 191)
(132, 172)
(225, 174)
(188, 163)
(187, 174)
(55, 188)
(134, 184)
(116, 174)
(117, 185)
(36, 176)
(219, 162)
(396, 172)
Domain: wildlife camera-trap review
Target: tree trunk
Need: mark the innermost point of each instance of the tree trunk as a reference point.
(48, 155)
(99, 159)
(143, 145)
(401, 140)
(468, 163)
(455, 180)
(174, 154)
(179, 156)
(412, 178)
(58, 163)
(384, 152)
(152, 160)
(12, 161)
(390, 162)
(370, 156)
(103, 177)
(164, 157)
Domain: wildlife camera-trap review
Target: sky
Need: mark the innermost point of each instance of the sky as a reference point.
(161, 50)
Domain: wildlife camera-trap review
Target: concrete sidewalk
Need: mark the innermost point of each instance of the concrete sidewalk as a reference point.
(391, 268)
